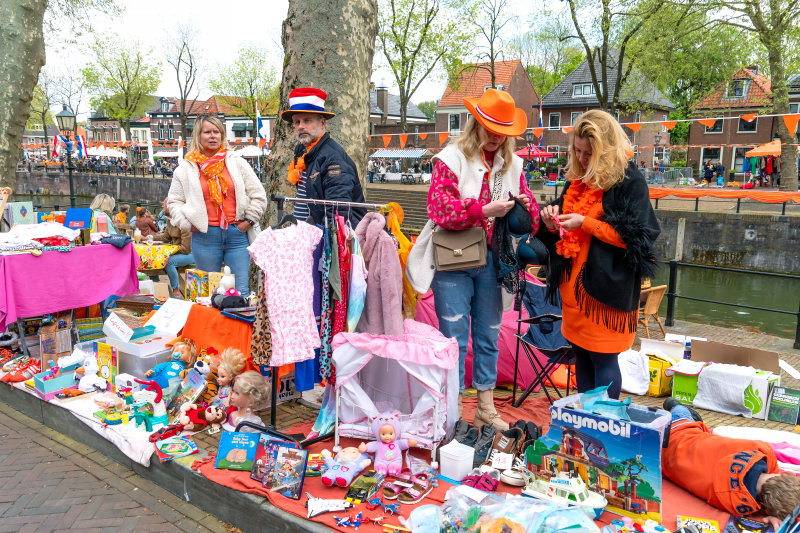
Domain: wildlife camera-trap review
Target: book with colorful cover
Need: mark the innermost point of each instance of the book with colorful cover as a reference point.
(191, 388)
(237, 450)
(174, 447)
(266, 455)
(704, 525)
(108, 362)
(784, 405)
(742, 524)
(289, 472)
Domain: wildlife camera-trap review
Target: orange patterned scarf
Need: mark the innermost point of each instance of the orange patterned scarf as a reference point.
(579, 199)
(212, 167)
(297, 167)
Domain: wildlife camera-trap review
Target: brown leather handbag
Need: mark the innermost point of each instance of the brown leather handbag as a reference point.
(459, 250)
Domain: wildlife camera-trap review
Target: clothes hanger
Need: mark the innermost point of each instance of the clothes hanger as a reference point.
(287, 217)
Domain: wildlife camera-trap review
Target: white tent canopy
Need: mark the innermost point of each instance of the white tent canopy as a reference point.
(251, 151)
(167, 154)
(99, 151)
(407, 153)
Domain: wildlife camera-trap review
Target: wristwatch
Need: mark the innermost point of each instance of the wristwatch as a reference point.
(249, 221)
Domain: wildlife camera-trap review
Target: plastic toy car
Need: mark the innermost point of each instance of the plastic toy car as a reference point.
(364, 487)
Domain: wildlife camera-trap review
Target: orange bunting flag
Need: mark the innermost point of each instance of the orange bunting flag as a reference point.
(181, 144)
(155, 143)
(386, 140)
(707, 122)
(791, 122)
(262, 142)
(105, 145)
(403, 140)
(423, 136)
(750, 117)
(635, 126)
(443, 137)
(537, 132)
(566, 129)
(669, 124)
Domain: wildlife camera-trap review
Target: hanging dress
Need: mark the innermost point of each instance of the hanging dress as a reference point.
(261, 345)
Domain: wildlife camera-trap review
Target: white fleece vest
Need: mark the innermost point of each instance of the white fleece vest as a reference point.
(420, 266)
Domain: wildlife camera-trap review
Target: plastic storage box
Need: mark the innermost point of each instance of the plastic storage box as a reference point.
(456, 460)
(135, 365)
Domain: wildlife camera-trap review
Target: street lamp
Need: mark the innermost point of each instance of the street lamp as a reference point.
(529, 138)
(66, 123)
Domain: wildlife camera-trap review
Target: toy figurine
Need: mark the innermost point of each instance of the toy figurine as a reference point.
(231, 364)
(227, 283)
(342, 469)
(249, 391)
(193, 418)
(87, 377)
(388, 449)
(168, 375)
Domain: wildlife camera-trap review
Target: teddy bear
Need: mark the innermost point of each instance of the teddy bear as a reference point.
(343, 468)
(193, 418)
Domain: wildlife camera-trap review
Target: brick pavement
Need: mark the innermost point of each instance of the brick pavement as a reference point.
(52, 483)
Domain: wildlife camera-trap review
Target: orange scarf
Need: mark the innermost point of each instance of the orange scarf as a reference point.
(579, 199)
(299, 165)
(212, 167)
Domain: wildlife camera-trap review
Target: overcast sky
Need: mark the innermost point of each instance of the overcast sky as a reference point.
(223, 27)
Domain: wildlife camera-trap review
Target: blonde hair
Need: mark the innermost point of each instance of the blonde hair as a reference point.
(233, 361)
(780, 495)
(103, 202)
(192, 349)
(610, 149)
(474, 138)
(252, 384)
(198, 128)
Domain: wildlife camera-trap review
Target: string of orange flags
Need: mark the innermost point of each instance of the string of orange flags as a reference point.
(127, 144)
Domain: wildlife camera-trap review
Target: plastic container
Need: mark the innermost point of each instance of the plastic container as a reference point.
(137, 365)
(687, 350)
(456, 460)
(102, 223)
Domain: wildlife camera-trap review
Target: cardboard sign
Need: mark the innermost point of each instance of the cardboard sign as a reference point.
(171, 317)
(116, 328)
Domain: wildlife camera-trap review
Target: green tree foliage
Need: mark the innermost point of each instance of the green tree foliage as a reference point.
(429, 108)
(249, 79)
(418, 36)
(42, 104)
(120, 79)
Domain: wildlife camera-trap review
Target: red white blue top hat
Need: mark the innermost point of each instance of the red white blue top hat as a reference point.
(306, 100)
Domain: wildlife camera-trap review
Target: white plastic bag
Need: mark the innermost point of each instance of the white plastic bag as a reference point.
(635, 368)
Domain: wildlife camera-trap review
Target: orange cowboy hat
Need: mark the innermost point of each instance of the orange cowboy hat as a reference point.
(495, 110)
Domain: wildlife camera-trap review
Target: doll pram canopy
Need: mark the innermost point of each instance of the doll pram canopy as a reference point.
(415, 374)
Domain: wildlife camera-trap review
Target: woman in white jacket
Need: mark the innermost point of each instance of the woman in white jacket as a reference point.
(217, 196)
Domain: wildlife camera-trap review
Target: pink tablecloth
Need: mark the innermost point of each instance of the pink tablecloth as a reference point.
(57, 281)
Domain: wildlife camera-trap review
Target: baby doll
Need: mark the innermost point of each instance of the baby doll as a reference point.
(249, 391)
(388, 449)
(194, 419)
(168, 375)
(231, 364)
(348, 464)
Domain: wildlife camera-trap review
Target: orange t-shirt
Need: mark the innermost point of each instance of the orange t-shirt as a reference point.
(228, 205)
(576, 327)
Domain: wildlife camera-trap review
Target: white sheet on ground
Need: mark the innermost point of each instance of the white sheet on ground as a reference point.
(720, 387)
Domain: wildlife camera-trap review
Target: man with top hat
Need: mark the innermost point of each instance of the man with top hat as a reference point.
(320, 169)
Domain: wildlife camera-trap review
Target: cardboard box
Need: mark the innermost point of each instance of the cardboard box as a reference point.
(55, 340)
(660, 382)
(161, 290)
(196, 283)
(213, 282)
(684, 387)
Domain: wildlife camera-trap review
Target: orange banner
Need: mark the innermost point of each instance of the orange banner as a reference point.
(635, 126)
(403, 140)
(669, 124)
(261, 142)
(750, 117)
(760, 196)
(443, 137)
(423, 136)
(566, 129)
(537, 132)
(791, 122)
(707, 122)
(386, 140)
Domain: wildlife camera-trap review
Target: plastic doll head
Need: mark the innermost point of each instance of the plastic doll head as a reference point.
(231, 364)
(386, 433)
(249, 390)
(188, 351)
(388, 418)
(348, 454)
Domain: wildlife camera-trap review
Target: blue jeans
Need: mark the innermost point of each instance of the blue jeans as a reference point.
(228, 246)
(471, 296)
(175, 261)
(681, 412)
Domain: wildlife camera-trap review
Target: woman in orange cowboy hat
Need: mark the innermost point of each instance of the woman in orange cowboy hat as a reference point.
(470, 186)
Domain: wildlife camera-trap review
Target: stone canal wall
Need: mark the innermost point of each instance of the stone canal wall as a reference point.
(124, 189)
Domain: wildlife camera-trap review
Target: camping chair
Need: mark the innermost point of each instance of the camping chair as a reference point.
(543, 337)
(650, 308)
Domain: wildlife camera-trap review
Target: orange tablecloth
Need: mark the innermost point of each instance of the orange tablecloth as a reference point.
(760, 196)
(206, 327)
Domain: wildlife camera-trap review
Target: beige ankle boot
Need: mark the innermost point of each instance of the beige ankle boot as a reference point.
(486, 413)
(460, 404)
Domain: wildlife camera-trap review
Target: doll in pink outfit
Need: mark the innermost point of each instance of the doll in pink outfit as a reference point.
(388, 449)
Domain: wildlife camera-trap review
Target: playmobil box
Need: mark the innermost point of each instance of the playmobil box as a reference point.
(620, 459)
(756, 394)
(196, 283)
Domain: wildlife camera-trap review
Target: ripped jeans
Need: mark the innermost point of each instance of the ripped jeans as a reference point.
(474, 293)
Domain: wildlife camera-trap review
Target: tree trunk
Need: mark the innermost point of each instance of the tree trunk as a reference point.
(328, 45)
(21, 58)
(781, 106)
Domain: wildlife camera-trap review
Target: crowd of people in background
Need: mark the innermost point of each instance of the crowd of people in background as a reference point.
(378, 168)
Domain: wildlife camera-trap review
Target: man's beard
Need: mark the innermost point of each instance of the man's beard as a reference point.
(306, 138)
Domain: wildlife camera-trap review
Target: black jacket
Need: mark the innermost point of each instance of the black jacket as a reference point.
(331, 175)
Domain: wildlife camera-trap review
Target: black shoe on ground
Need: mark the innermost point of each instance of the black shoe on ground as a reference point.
(460, 431)
(670, 403)
(483, 446)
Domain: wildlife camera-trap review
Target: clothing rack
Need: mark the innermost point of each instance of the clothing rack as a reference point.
(336, 203)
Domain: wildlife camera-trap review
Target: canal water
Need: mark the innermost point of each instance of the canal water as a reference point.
(734, 287)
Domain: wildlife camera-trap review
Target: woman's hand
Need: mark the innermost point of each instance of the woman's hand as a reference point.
(547, 214)
(525, 199)
(497, 208)
(243, 226)
(570, 221)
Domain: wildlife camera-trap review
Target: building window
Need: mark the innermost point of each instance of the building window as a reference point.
(616, 115)
(115, 136)
(793, 108)
(716, 128)
(555, 121)
(582, 89)
(107, 136)
(455, 123)
(664, 118)
(638, 116)
(747, 127)
(710, 155)
(160, 131)
(164, 106)
(737, 90)
(497, 86)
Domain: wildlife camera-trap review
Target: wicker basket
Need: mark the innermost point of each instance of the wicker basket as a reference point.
(138, 303)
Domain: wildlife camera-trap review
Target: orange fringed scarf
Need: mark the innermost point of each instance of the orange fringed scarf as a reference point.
(299, 165)
(213, 167)
(579, 199)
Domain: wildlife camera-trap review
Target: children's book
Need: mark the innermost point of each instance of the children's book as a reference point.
(741, 524)
(266, 454)
(237, 450)
(108, 362)
(174, 447)
(191, 388)
(703, 524)
(784, 405)
(289, 472)
(316, 465)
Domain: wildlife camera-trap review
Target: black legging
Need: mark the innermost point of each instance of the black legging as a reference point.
(595, 369)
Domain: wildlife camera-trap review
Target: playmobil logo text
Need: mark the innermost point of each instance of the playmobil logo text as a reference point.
(569, 418)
